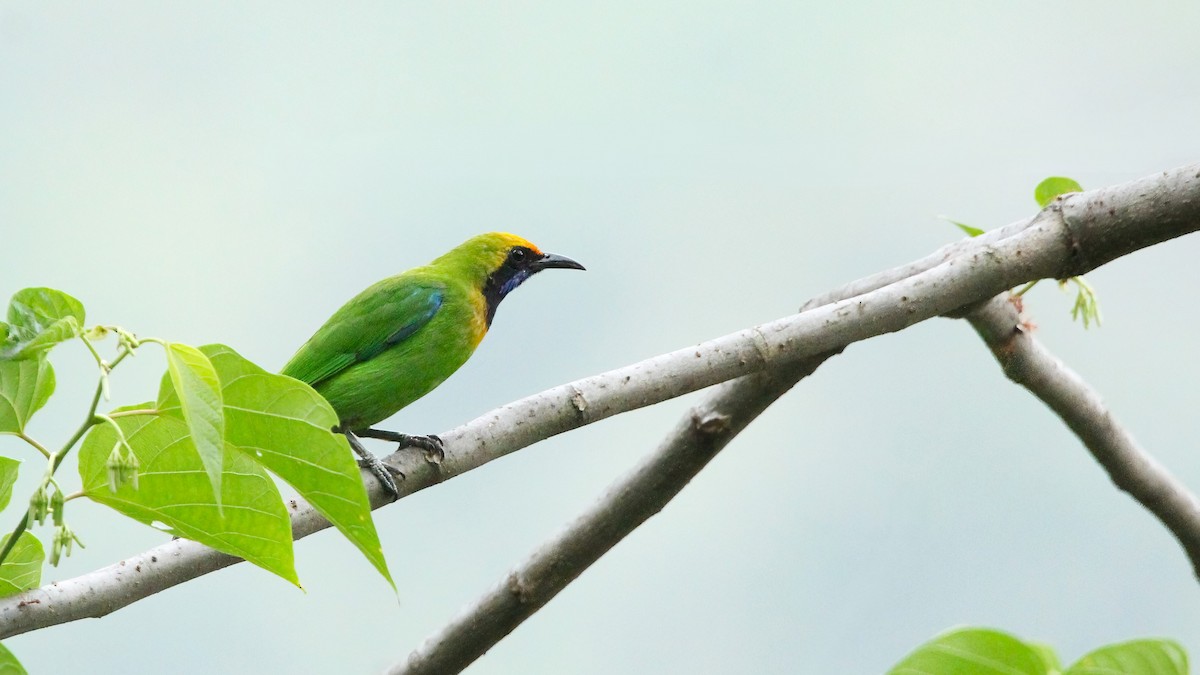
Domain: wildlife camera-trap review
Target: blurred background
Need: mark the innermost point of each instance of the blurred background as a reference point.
(233, 172)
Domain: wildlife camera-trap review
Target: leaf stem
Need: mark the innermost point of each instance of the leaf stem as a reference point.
(29, 439)
(91, 420)
(56, 459)
(116, 427)
(104, 366)
(131, 413)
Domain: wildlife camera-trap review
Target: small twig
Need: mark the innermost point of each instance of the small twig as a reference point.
(1026, 288)
(1026, 362)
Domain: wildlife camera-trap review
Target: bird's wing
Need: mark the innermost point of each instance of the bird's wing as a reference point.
(380, 317)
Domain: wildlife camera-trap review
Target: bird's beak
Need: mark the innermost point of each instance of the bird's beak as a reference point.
(550, 260)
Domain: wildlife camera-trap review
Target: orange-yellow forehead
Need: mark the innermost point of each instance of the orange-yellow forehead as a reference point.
(482, 254)
(510, 240)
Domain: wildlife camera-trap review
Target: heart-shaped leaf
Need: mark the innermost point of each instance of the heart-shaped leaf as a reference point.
(174, 492)
(22, 569)
(1052, 187)
(38, 319)
(25, 386)
(285, 424)
(978, 651)
(1136, 657)
(8, 476)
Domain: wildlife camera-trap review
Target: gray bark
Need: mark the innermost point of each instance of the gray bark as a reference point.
(1073, 235)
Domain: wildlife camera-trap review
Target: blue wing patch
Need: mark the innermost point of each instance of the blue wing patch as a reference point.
(433, 302)
(376, 320)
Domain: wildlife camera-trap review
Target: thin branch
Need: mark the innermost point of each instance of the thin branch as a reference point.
(658, 478)
(703, 432)
(1073, 235)
(902, 272)
(1026, 362)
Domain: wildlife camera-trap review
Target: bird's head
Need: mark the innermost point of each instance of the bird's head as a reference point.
(499, 262)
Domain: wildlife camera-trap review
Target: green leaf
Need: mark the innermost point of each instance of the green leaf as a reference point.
(1087, 303)
(194, 394)
(8, 476)
(971, 231)
(59, 331)
(285, 425)
(22, 569)
(978, 651)
(25, 386)
(1052, 187)
(175, 493)
(1048, 655)
(9, 665)
(1136, 657)
(38, 319)
(40, 307)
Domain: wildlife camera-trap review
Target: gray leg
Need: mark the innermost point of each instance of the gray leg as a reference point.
(432, 445)
(381, 471)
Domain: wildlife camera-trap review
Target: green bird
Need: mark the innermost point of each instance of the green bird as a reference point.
(403, 336)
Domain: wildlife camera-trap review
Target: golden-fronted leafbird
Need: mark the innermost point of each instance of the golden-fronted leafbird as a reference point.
(397, 340)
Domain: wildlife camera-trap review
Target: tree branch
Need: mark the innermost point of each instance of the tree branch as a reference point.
(703, 432)
(1073, 235)
(661, 476)
(1026, 362)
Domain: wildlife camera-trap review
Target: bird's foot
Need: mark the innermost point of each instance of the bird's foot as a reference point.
(434, 448)
(387, 475)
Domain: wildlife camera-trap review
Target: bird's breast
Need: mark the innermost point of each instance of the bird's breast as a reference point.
(478, 324)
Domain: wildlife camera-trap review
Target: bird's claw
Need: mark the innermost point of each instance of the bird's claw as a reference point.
(382, 471)
(386, 474)
(435, 449)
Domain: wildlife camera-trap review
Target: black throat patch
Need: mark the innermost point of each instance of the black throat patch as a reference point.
(499, 284)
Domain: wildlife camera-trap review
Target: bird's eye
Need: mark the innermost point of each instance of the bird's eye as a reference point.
(517, 256)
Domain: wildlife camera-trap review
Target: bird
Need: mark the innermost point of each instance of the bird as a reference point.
(403, 336)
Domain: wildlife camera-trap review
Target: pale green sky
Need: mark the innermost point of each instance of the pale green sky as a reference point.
(233, 172)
